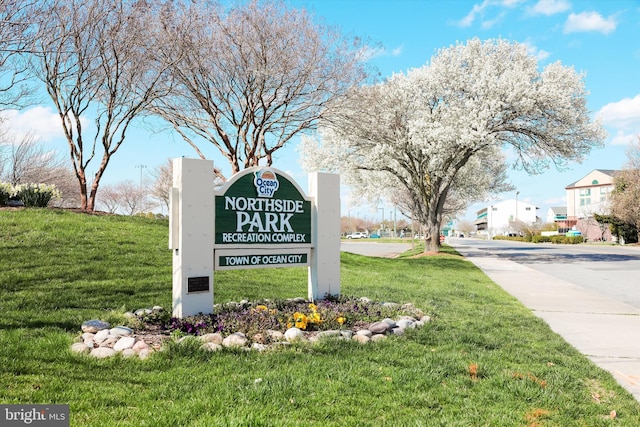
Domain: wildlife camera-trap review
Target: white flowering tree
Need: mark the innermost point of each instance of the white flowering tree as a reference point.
(450, 127)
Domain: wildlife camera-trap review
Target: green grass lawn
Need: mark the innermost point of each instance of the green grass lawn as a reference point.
(484, 360)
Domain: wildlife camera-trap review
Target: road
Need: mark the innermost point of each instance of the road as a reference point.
(374, 248)
(611, 271)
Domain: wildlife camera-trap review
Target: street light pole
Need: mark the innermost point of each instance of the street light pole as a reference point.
(141, 166)
(490, 215)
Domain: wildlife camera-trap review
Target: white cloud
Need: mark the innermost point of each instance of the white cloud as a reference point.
(589, 21)
(489, 23)
(540, 54)
(41, 122)
(624, 113)
(371, 52)
(550, 7)
(397, 51)
(38, 121)
(556, 201)
(623, 138)
(624, 117)
(478, 9)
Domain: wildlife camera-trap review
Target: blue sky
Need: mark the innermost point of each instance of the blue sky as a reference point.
(600, 38)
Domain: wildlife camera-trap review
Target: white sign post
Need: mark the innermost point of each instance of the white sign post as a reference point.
(191, 236)
(324, 269)
(259, 218)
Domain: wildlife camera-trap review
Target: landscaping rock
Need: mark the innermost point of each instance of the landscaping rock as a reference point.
(124, 343)
(213, 338)
(365, 332)
(102, 352)
(362, 339)
(80, 347)
(211, 346)
(237, 339)
(129, 352)
(346, 334)
(293, 334)
(121, 331)
(87, 336)
(94, 326)
(139, 346)
(275, 335)
(259, 347)
(330, 333)
(101, 335)
(390, 322)
(378, 337)
(110, 341)
(379, 327)
(406, 323)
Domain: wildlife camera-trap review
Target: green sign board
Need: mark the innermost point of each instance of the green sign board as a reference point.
(262, 260)
(262, 207)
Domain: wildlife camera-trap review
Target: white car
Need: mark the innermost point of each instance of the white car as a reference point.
(357, 235)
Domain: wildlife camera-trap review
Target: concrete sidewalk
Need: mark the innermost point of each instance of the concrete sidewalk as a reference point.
(604, 330)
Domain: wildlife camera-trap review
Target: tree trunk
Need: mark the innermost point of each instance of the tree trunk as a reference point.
(432, 244)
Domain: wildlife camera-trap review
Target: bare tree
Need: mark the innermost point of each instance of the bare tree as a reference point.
(624, 198)
(17, 19)
(465, 227)
(249, 79)
(162, 177)
(92, 57)
(25, 160)
(124, 197)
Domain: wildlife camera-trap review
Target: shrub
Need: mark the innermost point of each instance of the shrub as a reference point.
(6, 191)
(36, 195)
(567, 240)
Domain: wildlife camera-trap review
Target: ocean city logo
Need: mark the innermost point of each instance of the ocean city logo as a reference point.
(50, 415)
(265, 182)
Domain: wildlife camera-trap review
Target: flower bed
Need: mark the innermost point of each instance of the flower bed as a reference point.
(260, 324)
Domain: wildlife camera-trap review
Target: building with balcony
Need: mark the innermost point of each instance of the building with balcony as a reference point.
(558, 215)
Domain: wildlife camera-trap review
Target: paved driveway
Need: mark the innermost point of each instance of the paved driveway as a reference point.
(373, 248)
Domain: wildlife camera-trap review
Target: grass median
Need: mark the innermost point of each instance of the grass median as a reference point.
(484, 359)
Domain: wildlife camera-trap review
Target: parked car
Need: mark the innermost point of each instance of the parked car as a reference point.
(357, 235)
(374, 236)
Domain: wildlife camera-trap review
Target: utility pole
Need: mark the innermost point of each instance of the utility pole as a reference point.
(141, 166)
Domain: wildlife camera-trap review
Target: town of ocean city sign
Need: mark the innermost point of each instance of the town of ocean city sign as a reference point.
(262, 219)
